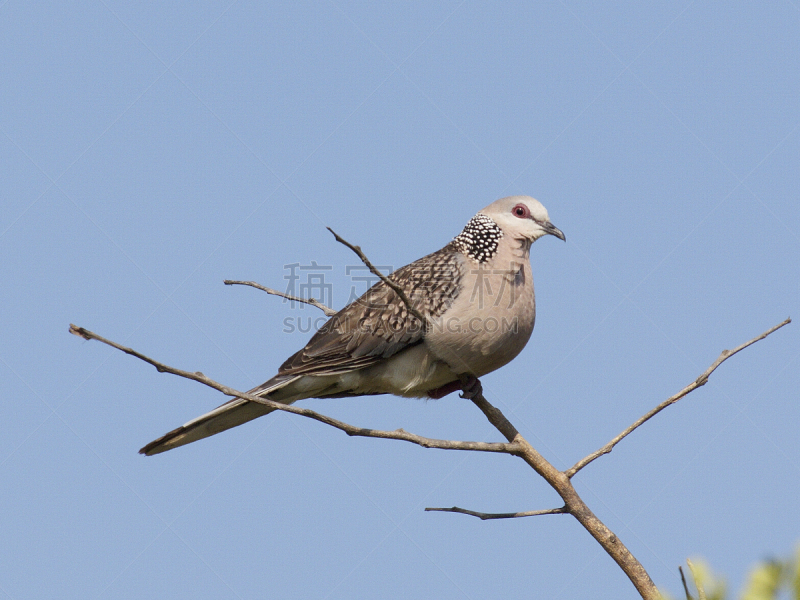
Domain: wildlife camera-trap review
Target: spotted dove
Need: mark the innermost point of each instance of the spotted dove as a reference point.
(476, 295)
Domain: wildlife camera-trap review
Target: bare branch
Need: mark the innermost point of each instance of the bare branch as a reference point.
(397, 289)
(685, 587)
(352, 430)
(488, 516)
(496, 418)
(700, 381)
(573, 503)
(329, 312)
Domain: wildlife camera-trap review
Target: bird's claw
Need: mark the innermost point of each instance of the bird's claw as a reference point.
(471, 388)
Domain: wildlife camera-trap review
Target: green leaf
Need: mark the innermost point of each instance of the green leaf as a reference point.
(764, 581)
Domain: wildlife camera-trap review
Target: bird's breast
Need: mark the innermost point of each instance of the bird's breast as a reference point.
(489, 322)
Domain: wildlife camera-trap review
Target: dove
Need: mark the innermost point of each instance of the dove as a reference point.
(476, 295)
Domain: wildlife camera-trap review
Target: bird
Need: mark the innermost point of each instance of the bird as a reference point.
(476, 296)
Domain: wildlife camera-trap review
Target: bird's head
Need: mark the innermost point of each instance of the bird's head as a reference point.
(522, 217)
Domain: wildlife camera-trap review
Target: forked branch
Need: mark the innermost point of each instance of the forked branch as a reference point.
(517, 446)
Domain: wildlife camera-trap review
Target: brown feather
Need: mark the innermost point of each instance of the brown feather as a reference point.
(378, 324)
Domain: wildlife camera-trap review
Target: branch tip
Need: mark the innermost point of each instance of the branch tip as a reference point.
(700, 381)
(492, 516)
(395, 287)
(79, 331)
(685, 587)
(329, 312)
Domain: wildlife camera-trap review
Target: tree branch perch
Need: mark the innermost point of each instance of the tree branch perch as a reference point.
(351, 430)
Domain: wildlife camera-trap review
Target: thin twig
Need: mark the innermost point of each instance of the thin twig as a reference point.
(329, 312)
(397, 289)
(685, 586)
(701, 593)
(352, 430)
(489, 516)
(700, 381)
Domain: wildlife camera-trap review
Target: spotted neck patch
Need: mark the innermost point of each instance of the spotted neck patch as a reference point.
(480, 238)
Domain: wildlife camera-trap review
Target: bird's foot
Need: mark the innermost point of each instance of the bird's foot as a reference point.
(471, 387)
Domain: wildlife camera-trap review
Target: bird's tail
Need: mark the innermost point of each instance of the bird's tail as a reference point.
(234, 412)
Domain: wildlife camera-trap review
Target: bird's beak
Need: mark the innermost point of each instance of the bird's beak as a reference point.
(553, 230)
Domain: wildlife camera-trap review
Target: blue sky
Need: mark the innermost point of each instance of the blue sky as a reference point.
(151, 150)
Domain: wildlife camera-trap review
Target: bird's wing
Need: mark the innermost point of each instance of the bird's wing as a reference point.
(378, 324)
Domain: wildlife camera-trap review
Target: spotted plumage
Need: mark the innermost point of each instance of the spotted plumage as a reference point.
(378, 324)
(479, 239)
(476, 294)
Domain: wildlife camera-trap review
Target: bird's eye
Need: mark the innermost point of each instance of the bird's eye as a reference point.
(521, 211)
